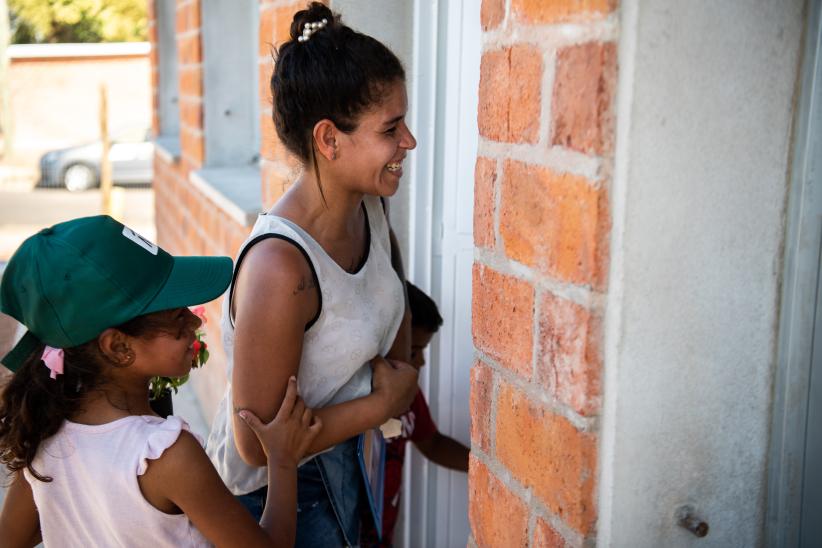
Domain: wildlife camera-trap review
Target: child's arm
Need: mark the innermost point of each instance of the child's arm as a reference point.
(285, 440)
(183, 477)
(18, 520)
(444, 451)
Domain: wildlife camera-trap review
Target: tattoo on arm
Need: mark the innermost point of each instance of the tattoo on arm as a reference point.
(304, 284)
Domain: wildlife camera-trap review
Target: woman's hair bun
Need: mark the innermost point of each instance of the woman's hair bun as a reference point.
(316, 11)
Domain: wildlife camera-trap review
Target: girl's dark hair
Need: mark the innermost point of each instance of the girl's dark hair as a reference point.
(33, 406)
(424, 311)
(336, 74)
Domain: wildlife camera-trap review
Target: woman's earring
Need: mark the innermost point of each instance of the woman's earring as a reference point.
(334, 154)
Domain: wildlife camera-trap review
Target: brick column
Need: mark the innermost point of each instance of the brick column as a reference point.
(541, 229)
(190, 70)
(278, 166)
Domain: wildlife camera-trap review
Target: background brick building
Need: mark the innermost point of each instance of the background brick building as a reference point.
(639, 247)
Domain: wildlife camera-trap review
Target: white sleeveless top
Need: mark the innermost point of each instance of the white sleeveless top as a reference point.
(359, 316)
(94, 498)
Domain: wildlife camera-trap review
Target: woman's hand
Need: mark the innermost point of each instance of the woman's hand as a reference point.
(394, 383)
(287, 437)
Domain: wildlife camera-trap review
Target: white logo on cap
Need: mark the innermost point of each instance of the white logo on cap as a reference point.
(139, 240)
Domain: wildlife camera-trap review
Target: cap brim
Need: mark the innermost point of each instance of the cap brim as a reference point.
(21, 351)
(193, 281)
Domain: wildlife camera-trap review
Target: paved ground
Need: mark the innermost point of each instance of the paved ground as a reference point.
(24, 210)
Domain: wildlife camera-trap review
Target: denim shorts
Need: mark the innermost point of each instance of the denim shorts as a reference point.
(330, 499)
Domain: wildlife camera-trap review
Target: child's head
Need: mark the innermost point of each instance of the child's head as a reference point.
(97, 299)
(329, 72)
(425, 322)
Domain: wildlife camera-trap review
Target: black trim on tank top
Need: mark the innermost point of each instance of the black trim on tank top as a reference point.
(367, 242)
(258, 239)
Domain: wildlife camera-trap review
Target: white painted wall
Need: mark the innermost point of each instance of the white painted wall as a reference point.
(705, 103)
(390, 22)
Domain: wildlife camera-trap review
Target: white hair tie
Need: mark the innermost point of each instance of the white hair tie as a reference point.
(311, 28)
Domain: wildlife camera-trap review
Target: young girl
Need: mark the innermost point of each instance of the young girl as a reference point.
(315, 293)
(91, 464)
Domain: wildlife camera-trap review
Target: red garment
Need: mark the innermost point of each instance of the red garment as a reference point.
(416, 426)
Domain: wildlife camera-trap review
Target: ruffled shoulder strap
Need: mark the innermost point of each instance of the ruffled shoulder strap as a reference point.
(162, 433)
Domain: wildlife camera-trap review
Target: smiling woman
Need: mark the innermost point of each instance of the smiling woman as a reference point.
(318, 290)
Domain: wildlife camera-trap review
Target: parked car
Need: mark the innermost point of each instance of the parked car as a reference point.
(78, 168)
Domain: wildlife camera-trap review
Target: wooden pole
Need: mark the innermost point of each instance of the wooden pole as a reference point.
(105, 164)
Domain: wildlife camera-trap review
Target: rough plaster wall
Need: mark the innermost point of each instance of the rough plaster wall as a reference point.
(701, 181)
(391, 22)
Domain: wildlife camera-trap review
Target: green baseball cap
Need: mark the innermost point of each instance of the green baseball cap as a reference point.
(69, 283)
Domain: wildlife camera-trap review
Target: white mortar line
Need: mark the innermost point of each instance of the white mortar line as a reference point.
(584, 296)
(552, 36)
(538, 395)
(549, 71)
(627, 51)
(557, 158)
(497, 198)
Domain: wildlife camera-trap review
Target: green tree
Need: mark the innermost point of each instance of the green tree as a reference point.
(41, 21)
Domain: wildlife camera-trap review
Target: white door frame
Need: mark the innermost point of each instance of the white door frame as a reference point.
(445, 82)
(795, 372)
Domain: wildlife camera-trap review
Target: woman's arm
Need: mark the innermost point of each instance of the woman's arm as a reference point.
(272, 306)
(19, 522)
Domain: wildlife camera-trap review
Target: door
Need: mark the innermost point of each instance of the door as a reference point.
(443, 256)
(795, 483)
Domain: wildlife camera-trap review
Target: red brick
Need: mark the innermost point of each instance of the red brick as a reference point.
(188, 16)
(502, 312)
(264, 81)
(560, 11)
(485, 176)
(546, 452)
(492, 13)
(583, 94)
(556, 222)
(192, 147)
(492, 115)
(498, 517)
(569, 362)
(191, 82)
(546, 536)
(180, 20)
(509, 94)
(270, 146)
(191, 114)
(274, 184)
(193, 15)
(189, 51)
(266, 34)
(482, 389)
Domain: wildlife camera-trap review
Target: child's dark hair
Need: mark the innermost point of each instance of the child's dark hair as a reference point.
(336, 74)
(33, 406)
(424, 311)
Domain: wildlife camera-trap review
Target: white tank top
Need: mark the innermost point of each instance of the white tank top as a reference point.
(359, 316)
(94, 498)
